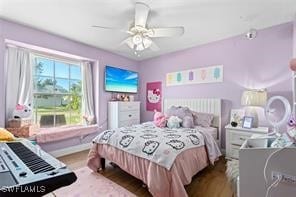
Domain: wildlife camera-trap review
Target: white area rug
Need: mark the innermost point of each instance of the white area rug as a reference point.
(90, 184)
(232, 173)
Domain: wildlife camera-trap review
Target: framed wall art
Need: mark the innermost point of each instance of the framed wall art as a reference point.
(153, 96)
(211, 74)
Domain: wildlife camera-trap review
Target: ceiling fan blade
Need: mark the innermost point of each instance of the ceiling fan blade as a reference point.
(141, 14)
(102, 27)
(167, 32)
(112, 28)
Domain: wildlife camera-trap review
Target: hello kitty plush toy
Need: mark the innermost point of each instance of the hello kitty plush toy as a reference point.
(159, 119)
(88, 119)
(22, 111)
(174, 122)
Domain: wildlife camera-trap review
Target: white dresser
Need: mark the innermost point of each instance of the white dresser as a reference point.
(122, 114)
(236, 136)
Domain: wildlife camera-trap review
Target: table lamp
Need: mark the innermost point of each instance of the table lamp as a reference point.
(252, 99)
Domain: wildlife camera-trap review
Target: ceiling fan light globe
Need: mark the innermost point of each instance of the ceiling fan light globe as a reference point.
(147, 42)
(137, 39)
(130, 44)
(140, 47)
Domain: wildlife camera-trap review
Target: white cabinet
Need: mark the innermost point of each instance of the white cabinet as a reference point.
(121, 114)
(252, 163)
(236, 136)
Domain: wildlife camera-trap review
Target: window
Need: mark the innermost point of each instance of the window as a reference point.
(57, 92)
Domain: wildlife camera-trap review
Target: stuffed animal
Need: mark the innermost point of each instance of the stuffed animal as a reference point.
(159, 119)
(5, 135)
(174, 122)
(291, 129)
(88, 119)
(22, 111)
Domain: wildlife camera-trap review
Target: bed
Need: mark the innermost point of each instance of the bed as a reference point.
(163, 177)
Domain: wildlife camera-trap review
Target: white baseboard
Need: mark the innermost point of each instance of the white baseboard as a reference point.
(70, 150)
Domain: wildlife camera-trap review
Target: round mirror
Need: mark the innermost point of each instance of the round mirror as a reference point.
(277, 111)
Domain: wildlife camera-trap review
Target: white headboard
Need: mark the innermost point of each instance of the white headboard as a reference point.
(211, 105)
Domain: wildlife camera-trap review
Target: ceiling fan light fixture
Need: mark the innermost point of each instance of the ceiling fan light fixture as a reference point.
(141, 35)
(137, 39)
(147, 42)
(140, 47)
(130, 44)
(149, 33)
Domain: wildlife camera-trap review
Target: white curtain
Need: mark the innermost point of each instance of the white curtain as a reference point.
(88, 107)
(19, 83)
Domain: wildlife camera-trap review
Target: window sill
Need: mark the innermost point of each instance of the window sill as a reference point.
(46, 135)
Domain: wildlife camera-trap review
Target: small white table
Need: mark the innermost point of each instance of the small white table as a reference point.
(236, 136)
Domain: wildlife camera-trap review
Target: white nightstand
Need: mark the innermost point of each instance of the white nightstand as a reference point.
(235, 137)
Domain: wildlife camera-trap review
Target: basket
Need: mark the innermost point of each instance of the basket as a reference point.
(24, 131)
(18, 123)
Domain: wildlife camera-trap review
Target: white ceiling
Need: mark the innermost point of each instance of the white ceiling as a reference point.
(204, 20)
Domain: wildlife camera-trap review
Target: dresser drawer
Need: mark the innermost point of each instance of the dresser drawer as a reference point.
(128, 123)
(128, 115)
(129, 106)
(238, 138)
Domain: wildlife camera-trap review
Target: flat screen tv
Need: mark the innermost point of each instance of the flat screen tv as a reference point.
(120, 80)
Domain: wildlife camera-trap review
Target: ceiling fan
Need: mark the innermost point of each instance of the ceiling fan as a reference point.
(140, 35)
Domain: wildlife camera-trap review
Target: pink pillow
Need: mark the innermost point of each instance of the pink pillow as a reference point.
(159, 119)
(202, 119)
(188, 122)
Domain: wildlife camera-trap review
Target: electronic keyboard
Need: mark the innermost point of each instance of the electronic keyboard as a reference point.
(27, 170)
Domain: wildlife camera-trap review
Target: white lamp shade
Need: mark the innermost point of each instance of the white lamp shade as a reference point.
(254, 98)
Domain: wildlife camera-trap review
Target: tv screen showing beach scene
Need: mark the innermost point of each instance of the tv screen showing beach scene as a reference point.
(120, 80)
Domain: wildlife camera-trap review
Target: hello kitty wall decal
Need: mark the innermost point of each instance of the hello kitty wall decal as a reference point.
(153, 96)
(211, 74)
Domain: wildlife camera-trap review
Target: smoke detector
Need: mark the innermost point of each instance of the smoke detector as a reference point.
(251, 34)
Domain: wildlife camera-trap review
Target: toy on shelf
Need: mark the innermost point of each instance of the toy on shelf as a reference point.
(89, 119)
(22, 111)
(21, 124)
(292, 129)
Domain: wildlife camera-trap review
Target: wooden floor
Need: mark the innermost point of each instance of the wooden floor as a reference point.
(210, 182)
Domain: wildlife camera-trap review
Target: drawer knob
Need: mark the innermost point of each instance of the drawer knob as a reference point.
(241, 138)
(130, 115)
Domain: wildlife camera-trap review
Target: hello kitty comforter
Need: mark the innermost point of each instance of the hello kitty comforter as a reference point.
(159, 145)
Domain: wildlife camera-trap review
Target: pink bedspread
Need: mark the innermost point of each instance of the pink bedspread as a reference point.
(160, 181)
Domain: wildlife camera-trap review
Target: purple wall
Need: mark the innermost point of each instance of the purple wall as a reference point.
(2, 95)
(16, 32)
(259, 63)
(32, 36)
(294, 38)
